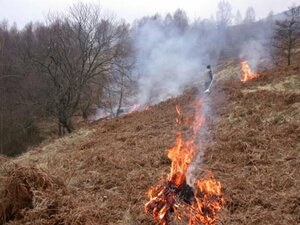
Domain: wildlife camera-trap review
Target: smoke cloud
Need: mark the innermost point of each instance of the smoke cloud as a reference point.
(171, 57)
(168, 59)
(257, 49)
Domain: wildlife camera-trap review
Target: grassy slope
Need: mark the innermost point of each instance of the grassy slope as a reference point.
(256, 150)
(100, 174)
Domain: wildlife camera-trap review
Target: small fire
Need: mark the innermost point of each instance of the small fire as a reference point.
(174, 199)
(138, 107)
(247, 72)
(135, 107)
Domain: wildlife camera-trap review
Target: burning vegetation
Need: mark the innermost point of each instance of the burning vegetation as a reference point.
(108, 165)
(247, 74)
(174, 198)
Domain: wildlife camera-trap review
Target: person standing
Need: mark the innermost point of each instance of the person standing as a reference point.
(208, 79)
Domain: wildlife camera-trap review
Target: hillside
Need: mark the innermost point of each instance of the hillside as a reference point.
(101, 173)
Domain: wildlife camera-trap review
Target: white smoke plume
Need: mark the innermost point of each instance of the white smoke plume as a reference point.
(203, 137)
(255, 53)
(168, 59)
(257, 49)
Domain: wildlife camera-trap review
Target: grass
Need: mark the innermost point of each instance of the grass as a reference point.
(101, 173)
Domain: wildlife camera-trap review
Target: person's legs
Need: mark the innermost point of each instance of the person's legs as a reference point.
(206, 86)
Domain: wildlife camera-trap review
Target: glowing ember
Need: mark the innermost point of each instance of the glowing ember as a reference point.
(247, 72)
(174, 199)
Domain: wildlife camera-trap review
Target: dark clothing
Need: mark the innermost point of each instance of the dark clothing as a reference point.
(208, 78)
(206, 85)
(210, 74)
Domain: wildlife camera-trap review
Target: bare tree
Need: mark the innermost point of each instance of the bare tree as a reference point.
(180, 20)
(118, 84)
(18, 91)
(238, 18)
(287, 33)
(73, 50)
(224, 14)
(250, 15)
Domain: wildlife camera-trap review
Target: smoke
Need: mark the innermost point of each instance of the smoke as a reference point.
(100, 114)
(256, 48)
(171, 57)
(168, 59)
(255, 53)
(203, 137)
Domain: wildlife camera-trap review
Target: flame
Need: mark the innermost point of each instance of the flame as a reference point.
(138, 107)
(135, 108)
(208, 201)
(178, 110)
(180, 118)
(165, 199)
(247, 72)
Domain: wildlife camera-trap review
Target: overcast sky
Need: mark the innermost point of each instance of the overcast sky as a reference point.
(24, 11)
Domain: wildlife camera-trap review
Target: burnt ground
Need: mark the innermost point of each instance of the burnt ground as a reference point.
(101, 173)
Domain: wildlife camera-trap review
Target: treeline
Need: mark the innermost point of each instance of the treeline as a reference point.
(83, 60)
(59, 70)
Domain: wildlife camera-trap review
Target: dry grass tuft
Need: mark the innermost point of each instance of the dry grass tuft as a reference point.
(17, 193)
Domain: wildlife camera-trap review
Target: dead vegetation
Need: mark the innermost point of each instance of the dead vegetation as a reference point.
(258, 141)
(102, 176)
(27, 188)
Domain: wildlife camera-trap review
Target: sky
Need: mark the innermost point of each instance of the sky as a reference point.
(24, 11)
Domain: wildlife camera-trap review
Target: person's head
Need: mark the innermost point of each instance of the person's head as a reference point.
(208, 67)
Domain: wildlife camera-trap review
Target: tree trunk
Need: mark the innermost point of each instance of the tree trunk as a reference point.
(65, 123)
(68, 125)
(289, 51)
(60, 133)
(120, 102)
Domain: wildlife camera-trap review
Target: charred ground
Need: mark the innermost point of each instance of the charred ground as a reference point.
(100, 174)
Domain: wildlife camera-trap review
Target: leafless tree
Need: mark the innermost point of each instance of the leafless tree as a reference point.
(74, 49)
(180, 20)
(224, 14)
(250, 15)
(238, 18)
(287, 33)
(119, 84)
(18, 90)
(81, 60)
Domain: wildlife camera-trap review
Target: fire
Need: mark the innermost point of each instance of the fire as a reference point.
(208, 201)
(138, 107)
(174, 198)
(247, 72)
(135, 107)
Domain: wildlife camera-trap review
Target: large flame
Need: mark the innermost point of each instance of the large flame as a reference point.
(247, 75)
(175, 199)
